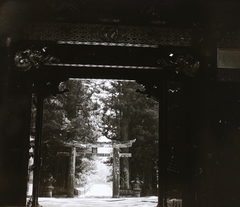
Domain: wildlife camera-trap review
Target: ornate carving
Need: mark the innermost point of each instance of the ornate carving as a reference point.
(90, 33)
(151, 36)
(27, 59)
(180, 63)
(109, 33)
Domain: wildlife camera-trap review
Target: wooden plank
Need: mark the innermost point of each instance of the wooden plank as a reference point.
(122, 145)
(124, 142)
(125, 154)
(63, 153)
(84, 153)
(114, 143)
(103, 154)
(96, 154)
(228, 58)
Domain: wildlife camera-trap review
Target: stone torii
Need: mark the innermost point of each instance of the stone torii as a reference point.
(116, 164)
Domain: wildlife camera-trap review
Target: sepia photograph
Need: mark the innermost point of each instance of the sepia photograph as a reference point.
(120, 103)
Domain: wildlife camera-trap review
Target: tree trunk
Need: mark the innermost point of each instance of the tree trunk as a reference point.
(125, 174)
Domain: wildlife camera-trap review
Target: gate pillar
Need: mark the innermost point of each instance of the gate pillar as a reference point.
(15, 110)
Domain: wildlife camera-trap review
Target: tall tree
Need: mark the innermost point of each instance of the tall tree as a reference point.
(67, 118)
(131, 115)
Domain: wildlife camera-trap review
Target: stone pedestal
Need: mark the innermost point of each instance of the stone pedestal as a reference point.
(136, 192)
(47, 191)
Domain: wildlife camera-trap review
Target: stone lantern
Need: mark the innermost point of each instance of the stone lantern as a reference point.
(48, 188)
(137, 187)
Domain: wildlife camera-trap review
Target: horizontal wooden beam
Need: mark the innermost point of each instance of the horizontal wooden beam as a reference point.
(125, 155)
(95, 154)
(87, 154)
(81, 65)
(108, 35)
(113, 144)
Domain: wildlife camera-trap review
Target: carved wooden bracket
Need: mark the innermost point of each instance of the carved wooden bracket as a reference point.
(180, 63)
(27, 59)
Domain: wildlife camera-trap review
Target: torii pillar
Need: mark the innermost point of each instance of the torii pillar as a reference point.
(116, 173)
(116, 163)
(71, 174)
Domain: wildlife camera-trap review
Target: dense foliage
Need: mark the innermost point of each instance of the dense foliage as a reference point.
(93, 108)
(130, 115)
(67, 118)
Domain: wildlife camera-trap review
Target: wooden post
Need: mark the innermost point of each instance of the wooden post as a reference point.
(15, 114)
(38, 137)
(116, 173)
(116, 162)
(162, 165)
(71, 175)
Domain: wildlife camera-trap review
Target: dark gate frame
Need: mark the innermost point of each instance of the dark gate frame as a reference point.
(45, 71)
